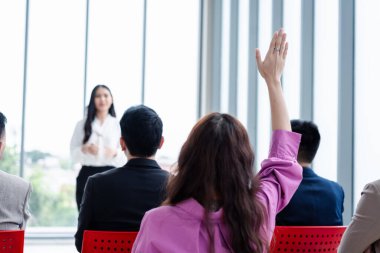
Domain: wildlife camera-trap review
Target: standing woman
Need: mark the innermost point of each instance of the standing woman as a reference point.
(95, 141)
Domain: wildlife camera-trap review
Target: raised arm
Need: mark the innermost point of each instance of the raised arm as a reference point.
(271, 70)
(280, 174)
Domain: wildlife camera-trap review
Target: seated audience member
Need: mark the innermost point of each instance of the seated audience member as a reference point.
(363, 233)
(215, 203)
(317, 201)
(117, 199)
(14, 193)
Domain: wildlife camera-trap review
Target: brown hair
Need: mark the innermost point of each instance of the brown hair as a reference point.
(215, 165)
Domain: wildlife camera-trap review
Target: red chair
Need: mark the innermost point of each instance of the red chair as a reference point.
(12, 241)
(107, 241)
(306, 239)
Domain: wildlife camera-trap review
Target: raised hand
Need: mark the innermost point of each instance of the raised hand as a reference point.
(271, 70)
(273, 65)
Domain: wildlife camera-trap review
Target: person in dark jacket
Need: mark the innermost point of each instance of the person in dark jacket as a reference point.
(116, 200)
(317, 201)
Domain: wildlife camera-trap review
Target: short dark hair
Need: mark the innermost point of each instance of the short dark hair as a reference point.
(141, 129)
(309, 141)
(3, 121)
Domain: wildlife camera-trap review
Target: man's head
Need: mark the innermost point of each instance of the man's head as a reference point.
(141, 131)
(309, 141)
(3, 121)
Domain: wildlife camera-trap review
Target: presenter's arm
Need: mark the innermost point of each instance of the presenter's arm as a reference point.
(77, 148)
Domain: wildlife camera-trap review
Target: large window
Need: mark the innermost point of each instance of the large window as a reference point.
(55, 82)
(326, 85)
(243, 56)
(12, 27)
(264, 122)
(54, 104)
(292, 71)
(367, 93)
(225, 57)
(171, 70)
(238, 63)
(115, 48)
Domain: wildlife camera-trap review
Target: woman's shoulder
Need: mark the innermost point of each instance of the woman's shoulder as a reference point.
(166, 227)
(169, 214)
(161, 213)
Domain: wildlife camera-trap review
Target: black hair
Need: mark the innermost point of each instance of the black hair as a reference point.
(141, 130)
(3, 121)
(309, 141)
(91, 112)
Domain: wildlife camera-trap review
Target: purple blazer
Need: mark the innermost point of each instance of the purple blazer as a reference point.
(179, 228)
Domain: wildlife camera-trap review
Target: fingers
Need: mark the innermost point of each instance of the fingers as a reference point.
(282, 45)
(277, 46)
(273, 42)
(258, 56)
(285, 50)
(259, 62)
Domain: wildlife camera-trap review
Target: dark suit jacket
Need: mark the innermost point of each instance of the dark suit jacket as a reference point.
(117, 199)
(317, 202)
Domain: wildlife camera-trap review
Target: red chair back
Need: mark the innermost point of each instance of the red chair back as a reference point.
(12, 241)
(107, 241)
(306, 239)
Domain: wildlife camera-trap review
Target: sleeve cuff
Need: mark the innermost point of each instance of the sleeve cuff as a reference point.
(284, 144)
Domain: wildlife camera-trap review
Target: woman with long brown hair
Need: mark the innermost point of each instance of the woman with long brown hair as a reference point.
(215, 202)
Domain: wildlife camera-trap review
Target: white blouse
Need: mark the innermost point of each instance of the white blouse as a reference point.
(106, 135)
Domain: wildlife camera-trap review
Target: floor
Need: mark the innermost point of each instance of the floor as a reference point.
(50, 240)
(49, 246)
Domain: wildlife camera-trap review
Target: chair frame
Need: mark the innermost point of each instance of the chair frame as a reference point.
(306, 239)
(107, 241)
(12, 241)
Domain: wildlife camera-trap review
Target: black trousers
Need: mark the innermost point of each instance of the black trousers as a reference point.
(84, 173)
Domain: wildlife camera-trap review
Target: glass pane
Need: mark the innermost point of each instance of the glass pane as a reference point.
(264, 123)
(292, 76)
(326, 85)
(226, 19)
(243, 53)
(171, 70)
(12, 27)
(54, 105)
(367, 93)
(115, 50)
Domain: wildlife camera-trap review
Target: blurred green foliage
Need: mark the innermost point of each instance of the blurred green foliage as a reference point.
(48, 207)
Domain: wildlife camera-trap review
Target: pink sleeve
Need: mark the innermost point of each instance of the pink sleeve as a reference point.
(280, 174)
(143, 242)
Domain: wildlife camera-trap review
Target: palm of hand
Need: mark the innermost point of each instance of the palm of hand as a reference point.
(273, 65)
